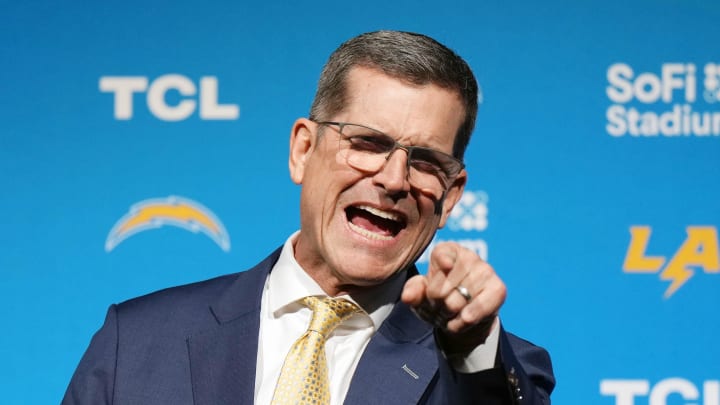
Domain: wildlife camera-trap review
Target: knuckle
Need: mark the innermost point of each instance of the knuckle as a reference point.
(473, 312)
(454, 305)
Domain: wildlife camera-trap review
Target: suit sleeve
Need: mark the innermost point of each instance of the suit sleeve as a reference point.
(522, 375)
(527, 369)
(94, 379)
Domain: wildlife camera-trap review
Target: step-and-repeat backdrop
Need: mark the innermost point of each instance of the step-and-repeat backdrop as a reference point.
(144, 145)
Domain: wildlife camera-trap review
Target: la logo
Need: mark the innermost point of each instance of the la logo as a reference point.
(700, 249)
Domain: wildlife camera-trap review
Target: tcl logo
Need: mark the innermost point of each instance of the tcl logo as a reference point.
(640, 392)
(124, 87)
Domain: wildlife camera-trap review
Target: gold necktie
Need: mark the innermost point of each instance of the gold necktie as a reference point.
(303, 379)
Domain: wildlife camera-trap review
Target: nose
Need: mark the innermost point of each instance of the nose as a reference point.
(393, 176)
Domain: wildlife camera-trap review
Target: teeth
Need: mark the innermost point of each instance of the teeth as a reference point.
(368, 234)
(380, 213)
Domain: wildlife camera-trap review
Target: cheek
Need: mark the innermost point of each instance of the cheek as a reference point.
(341, 158)
(429, 208)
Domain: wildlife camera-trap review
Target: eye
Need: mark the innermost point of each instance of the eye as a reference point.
(426, 161)
(371, 143)
(425, 167)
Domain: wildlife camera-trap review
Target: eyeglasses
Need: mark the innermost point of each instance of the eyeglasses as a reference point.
(368, 149)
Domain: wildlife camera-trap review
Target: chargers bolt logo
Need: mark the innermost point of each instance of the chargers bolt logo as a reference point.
(176, 211)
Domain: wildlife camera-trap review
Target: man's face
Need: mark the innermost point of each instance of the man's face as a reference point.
(360, 228)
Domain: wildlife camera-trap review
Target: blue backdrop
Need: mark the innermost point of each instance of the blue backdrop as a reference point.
(144, 145)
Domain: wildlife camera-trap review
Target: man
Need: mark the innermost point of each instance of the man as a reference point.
(380, 165)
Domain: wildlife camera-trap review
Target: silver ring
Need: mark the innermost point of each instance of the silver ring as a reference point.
(464, 292)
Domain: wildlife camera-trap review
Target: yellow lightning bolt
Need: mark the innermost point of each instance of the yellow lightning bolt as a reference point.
(180, 212)
(699, 249)
(676, 272)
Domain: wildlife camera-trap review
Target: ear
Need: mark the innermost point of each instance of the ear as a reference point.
(302, 144)
(453, 196)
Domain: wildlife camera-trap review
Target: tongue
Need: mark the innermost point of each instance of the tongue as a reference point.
(371, 222)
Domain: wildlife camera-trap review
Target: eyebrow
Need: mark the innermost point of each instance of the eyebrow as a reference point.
(426, 146)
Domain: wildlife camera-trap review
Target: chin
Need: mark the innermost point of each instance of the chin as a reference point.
(368, 277)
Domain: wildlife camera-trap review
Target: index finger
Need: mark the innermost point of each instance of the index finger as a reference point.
(443, 257)
(446, 271)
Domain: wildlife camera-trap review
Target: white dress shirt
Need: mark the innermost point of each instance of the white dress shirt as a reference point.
(283, 319)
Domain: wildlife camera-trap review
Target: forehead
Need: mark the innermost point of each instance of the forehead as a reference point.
(427, 115)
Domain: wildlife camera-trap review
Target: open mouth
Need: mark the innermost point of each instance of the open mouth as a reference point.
(374, 223)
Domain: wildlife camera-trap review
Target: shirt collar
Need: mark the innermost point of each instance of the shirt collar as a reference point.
(288, 283)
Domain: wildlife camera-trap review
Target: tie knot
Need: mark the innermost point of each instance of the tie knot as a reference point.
(328, 313)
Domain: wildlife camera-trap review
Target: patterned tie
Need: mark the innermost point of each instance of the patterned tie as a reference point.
(303, 379)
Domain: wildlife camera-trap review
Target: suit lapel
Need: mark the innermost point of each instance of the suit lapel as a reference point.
(223, 358)
(398, 363)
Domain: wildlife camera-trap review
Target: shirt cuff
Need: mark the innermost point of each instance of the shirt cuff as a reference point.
(482, 357)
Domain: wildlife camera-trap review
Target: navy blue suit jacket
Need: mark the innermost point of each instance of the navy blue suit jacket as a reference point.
(197, 344)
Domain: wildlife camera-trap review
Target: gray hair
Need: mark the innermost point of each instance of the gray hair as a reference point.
(415, 58)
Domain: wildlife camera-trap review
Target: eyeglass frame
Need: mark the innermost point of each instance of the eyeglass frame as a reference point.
(407, 148)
